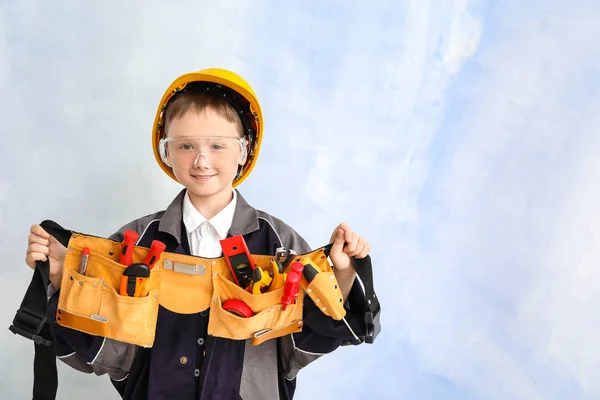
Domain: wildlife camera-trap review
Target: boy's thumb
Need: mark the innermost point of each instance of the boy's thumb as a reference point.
(338, 242)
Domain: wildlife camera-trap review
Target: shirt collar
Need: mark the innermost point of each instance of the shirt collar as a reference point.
(245, 221)
(221, 222)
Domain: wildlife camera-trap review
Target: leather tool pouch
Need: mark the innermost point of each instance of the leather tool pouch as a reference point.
(184, 284)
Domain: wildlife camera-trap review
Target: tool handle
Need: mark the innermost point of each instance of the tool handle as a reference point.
(297, 267)
(154, 253)
(290, 288)
(310, 271)
(254, 287)
(130, 237)
(278, 275)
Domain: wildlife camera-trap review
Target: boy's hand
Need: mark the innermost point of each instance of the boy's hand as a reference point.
(41, 246)
(346, 244)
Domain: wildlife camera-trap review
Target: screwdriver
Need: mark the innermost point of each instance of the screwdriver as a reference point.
(290, 289)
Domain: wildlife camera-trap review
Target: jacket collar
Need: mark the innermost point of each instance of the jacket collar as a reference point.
(245, 217)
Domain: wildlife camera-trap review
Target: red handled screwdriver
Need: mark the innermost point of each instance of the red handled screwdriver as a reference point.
(292, 282)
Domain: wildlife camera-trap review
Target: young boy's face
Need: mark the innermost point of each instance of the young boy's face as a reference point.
(204, 152)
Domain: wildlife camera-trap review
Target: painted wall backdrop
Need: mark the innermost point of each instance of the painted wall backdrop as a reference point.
(460, 137)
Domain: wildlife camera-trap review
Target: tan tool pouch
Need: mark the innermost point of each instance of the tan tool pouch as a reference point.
(184, 284)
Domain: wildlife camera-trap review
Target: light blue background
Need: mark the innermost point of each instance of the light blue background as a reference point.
(459, 137)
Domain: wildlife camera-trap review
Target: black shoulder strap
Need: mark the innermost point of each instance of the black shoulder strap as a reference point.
(364, 270)
(30, 322)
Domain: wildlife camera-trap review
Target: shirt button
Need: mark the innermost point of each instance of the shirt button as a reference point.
(200, 341)
(183, 360)
(196, 372)
(205, 228)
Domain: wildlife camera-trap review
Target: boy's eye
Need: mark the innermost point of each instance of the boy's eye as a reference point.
(186, 146)
(217, 146)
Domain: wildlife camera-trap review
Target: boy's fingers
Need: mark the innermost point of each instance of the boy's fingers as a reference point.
(38, 230)
(363, 253)
(38, 248)
(351, 243)
(338, 241)
(33, 238)
(33, 257)
(360, 244)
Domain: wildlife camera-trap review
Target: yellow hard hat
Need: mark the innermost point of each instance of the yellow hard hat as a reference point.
(230, 87)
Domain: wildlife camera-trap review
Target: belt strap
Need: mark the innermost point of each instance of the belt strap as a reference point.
(31, 322)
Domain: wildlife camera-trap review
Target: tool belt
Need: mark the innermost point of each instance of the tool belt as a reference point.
(184, 284)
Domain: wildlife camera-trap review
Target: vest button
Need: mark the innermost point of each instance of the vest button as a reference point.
(183, 360)
(200, 341)
(204, 313)
(196, 372)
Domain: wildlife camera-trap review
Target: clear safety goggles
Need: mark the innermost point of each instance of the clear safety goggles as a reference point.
(218, 151)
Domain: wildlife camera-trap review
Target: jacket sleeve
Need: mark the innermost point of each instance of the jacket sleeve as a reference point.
(89, 353)
(320, 333)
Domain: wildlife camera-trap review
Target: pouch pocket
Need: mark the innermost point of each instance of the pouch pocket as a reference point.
(91, 303)
(83, 294)
(327, 295)
(267, 308)
(130, 319)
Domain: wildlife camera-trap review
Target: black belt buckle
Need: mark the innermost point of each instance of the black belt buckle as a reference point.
(29, 324)
(373, 326)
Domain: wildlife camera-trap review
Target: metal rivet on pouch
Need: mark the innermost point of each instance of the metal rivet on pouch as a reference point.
(332, 277)
(308, 290)
(324, 308)
(317, 300)
(70, 249)
(80, 283)
(213, 262)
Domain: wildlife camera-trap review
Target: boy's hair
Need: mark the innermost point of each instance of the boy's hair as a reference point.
(199, 102)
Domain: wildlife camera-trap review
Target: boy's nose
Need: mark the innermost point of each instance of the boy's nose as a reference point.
(198, 158)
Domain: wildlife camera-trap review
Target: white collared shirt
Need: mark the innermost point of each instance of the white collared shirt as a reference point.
(204, 236)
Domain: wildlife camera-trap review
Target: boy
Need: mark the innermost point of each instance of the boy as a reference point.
(206, 136)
